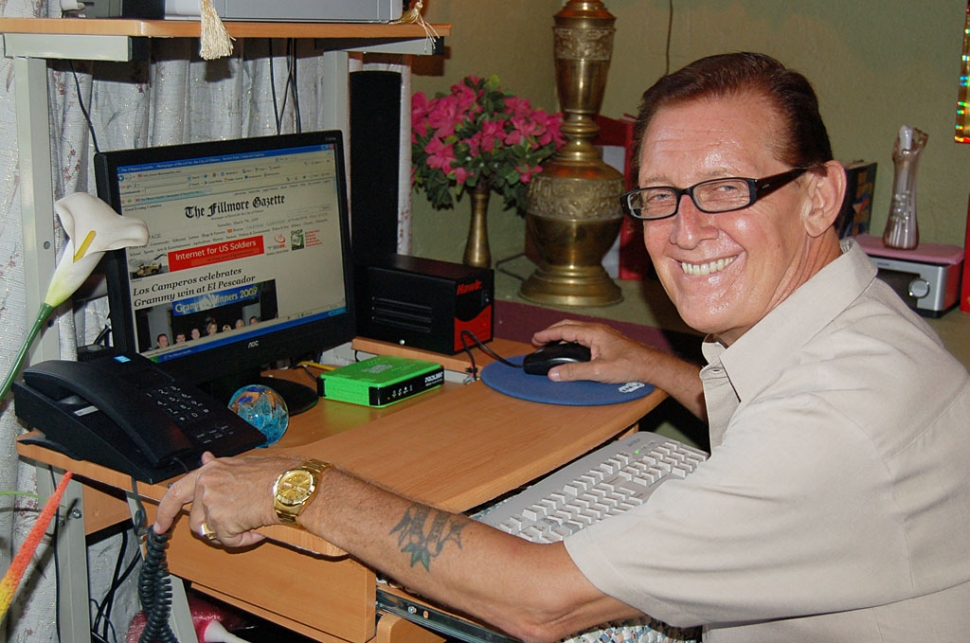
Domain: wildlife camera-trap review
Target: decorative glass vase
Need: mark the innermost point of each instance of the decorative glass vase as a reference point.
(477, 252)
(902, 228)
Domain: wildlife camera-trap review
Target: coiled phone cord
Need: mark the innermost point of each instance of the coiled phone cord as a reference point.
(155, 591)
(154, 582)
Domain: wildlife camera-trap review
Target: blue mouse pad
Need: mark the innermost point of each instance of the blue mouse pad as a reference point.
(539, 388)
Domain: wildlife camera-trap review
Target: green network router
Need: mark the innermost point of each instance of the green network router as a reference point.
(380, 381)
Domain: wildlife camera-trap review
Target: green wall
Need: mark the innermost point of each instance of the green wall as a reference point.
(876, 66)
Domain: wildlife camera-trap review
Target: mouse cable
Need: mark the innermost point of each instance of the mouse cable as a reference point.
(473, 369)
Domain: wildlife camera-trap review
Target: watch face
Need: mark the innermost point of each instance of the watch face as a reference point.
(294, 487)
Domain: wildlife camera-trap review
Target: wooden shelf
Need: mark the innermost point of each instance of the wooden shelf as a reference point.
(191, 28)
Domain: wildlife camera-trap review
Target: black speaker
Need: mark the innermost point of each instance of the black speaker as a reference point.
(375, 158)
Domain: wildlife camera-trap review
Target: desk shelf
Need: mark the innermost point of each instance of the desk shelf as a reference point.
(191, 28)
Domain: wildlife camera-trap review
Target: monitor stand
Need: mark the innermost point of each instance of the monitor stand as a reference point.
(298, 397)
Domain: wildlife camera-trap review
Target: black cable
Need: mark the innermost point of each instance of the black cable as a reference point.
(670, 28)
(272, 89)
(102, 337)
(290, 86)
(296, 89)
(104, 609)
(57, 563)
(286, 88)
(155, 591)
(154, 582)
(84, 110)
(501, 262)
(473, 369)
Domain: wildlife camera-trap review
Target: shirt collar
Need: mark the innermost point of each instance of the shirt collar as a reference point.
(755, 356)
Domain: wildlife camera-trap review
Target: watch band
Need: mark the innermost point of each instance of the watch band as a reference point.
(288, 509)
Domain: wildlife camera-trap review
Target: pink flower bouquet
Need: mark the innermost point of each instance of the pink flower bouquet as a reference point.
(479, 134)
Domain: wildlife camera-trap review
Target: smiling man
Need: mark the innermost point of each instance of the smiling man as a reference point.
(730, 254)
(835, 505)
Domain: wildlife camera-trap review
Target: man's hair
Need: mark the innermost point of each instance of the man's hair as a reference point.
(803, 139)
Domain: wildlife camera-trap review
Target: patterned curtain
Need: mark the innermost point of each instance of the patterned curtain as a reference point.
(266, 87)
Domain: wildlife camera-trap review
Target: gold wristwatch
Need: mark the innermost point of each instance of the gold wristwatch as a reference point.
(295, 488)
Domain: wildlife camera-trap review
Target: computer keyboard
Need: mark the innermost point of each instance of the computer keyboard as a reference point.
(610, 480)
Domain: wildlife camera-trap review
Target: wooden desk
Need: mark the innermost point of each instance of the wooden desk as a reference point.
(456, 448)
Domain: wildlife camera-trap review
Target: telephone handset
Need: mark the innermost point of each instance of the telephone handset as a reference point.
(127, 413)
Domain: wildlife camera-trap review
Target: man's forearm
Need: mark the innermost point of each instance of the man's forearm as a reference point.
(678, 378)
(451, 559)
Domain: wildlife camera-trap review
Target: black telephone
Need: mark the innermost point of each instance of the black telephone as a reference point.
(125, 412)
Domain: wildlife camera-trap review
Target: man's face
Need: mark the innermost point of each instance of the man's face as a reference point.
(726, 271)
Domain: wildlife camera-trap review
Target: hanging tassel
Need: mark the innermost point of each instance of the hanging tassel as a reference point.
(413, 17)
(215, 41)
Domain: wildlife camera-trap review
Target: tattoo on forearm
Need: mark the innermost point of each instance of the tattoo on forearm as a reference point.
(424, 541)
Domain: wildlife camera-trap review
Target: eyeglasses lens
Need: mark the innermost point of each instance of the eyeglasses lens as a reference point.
(719, 195)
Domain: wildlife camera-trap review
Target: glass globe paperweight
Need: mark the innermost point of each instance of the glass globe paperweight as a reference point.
(264, 408)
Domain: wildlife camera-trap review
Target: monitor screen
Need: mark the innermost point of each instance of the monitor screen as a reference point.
(248, 261)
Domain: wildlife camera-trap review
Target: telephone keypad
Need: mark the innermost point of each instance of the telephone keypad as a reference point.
(187, 412)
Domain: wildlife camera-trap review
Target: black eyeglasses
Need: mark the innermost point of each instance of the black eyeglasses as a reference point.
(714, 196)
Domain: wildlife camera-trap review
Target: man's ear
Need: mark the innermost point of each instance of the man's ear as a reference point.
(827, 195)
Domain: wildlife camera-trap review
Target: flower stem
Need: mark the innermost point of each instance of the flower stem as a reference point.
(42, 315)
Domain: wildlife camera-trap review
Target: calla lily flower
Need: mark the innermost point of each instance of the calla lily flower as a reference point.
(92, 228)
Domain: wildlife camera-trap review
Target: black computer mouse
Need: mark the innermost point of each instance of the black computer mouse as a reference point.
(543, 359)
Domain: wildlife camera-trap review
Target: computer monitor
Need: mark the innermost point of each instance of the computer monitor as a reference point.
(248, 261)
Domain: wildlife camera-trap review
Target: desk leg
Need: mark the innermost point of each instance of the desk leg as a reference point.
(180, 618)
(72, 570)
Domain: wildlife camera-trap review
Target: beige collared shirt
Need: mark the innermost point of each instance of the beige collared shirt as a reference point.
(836, 502)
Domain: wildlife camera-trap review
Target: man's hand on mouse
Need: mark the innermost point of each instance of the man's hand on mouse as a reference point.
(616, 359)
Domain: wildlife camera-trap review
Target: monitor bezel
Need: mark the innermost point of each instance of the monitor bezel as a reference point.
(241, 356)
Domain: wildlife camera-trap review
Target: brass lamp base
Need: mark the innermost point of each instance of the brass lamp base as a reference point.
(573, 212)
(571, 286)
(572, 246)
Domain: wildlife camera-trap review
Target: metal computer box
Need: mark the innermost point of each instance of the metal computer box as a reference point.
(927, 278)
(424, 303)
